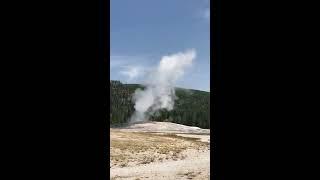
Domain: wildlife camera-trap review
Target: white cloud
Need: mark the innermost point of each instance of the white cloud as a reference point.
(132, 72)
(130, 68)
(119, 61)
(206, 14)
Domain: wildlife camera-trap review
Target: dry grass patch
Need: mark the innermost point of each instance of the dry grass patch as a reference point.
(131, 148)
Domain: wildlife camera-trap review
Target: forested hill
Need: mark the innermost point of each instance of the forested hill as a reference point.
(191, 107)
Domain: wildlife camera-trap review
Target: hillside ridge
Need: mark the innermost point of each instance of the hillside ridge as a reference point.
(191, 106)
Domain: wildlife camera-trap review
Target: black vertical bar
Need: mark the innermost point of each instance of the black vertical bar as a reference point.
(218, 94)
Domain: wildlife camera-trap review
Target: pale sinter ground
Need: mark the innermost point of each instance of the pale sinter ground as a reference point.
(159, 150)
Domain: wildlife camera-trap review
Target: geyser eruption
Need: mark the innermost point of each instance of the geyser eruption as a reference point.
(159, 92)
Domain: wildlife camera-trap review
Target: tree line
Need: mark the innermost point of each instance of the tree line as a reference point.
(192, 107)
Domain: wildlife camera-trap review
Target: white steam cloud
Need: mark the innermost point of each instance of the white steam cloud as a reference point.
(159, 92)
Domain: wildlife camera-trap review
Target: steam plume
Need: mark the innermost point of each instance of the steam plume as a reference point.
(159, 92)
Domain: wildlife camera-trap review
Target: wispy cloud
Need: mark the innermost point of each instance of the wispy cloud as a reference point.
(132, 72)
(129, 68)
(204, 10)
(203, 13)
(206, 14)
(119, 61)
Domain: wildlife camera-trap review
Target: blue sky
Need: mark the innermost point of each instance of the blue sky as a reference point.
(142, 31)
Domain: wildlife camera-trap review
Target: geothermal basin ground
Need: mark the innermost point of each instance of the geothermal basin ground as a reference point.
(159, 150)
